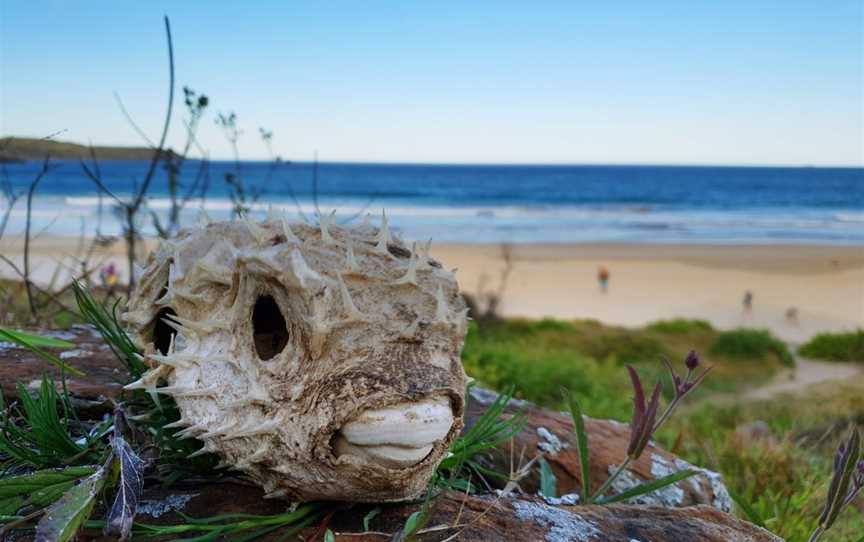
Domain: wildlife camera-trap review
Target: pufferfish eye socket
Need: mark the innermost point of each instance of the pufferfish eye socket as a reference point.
(269, 330)
(162, 332)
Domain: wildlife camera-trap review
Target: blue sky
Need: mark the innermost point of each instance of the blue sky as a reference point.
(555, 82)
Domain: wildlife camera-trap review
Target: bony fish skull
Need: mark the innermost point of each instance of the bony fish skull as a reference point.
(322, 361)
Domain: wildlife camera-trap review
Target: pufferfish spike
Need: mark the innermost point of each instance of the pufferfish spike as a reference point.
(351, 310)
(350, 260)
(254, 429)
(176, 326)
(423, 255)
(148, 379)
(169, 290)
(286, 231)
(325, 221)
(203, 218)
(383, 236)
(191, 431)
(219, 431)
(200, 452)
(411, 274)
(198, 326)
(174, 361)
(182, 422)
(258, 233)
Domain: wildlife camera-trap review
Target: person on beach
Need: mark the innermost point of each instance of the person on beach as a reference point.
(109, 277)
(603, 278)
(747, 302)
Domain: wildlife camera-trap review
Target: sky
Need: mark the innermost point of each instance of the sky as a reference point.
(732, 82)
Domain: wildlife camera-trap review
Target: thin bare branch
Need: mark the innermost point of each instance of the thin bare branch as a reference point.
(97, 180)
(30, 192)
(131, 121)
(136, 203)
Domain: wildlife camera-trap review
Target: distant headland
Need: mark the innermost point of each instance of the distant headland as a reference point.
(23, 149)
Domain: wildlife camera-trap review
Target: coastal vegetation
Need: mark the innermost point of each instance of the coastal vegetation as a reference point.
(587, 357)
(751, 345)
(835, 346)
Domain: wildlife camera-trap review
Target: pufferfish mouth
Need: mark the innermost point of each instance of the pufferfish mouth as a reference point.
(398, 436)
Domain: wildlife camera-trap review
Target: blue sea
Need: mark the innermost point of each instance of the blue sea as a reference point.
(493, 203)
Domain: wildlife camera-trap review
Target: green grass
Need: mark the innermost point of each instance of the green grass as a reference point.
(835, 346)
(782, 477)
(751, 345)
(588, 358)
(782, 480)
(680, 326)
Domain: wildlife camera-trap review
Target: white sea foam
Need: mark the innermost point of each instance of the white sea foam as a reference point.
(497, 223)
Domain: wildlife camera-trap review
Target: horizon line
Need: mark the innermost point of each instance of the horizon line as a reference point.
(463, 163)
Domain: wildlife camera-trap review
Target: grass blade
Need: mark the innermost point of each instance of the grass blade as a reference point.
(30, 483)
(751, 513)
(581, 443)
(547, 479)
(36, 340)
(367, 519)
(648, 487)
(63, 518)
(110, 329)
(23, 341)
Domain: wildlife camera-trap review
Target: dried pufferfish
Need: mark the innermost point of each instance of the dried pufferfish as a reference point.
(322, 361)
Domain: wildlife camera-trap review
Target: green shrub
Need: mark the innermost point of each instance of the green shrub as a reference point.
(517, 355)
(624, 346)
(680, 326)
(835, 346)
(751, 344)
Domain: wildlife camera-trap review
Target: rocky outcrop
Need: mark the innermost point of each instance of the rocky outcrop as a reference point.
(489, 518)
(550, 433)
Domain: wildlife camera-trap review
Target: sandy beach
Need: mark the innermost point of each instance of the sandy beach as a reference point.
(648, 282)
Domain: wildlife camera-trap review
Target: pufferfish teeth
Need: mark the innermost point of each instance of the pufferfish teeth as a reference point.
(393, 457)
(407, 425)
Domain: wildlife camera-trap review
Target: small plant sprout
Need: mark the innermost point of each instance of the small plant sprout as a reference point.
(645, 421)
(846, 484)
(685, 386)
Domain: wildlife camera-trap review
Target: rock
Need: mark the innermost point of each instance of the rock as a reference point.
(547, 432)
(104, 373)
(487, 518)
(551, 434)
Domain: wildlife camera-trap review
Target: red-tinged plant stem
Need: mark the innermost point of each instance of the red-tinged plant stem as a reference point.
(666, 413)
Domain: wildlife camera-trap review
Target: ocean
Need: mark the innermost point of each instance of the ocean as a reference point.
(492, 203)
